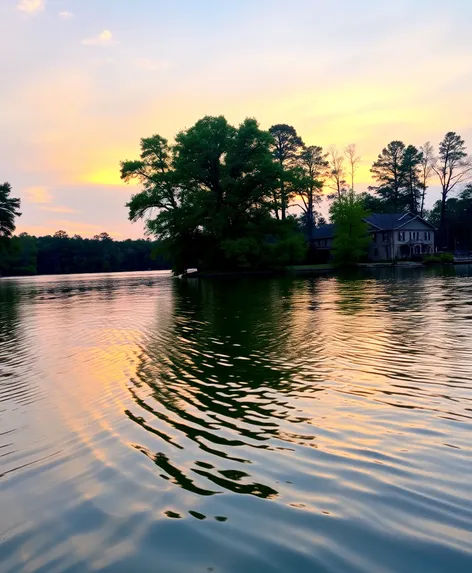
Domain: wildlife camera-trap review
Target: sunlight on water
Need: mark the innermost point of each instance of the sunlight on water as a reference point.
(151, 424)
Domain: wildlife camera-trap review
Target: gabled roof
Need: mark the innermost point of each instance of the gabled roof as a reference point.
(404, 222)
(379, 221)
(388, 221)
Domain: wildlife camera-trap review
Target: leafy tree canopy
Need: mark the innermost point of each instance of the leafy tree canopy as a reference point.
(9, 209)
(351, 240)
(208, 197)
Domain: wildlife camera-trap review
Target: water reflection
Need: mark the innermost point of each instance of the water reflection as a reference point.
(274, 425)
(210, 377)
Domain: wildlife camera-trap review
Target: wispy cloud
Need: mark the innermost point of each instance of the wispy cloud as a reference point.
(59, 209)
(152, 65)
(31, 6)
(38, 195)
(103, 39)
(66, 15)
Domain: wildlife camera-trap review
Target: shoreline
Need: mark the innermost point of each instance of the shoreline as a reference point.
(307, 270)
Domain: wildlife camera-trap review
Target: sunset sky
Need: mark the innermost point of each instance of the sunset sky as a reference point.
(84, 80)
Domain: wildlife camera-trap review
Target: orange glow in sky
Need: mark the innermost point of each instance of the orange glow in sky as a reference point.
(87, 80)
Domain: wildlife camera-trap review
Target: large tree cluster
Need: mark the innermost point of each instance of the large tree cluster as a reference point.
(402, 174)
(218, 196)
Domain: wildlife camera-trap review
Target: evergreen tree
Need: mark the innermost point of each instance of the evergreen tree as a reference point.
(312, 174)
(411, 168)
(286, 148)
(389, 173)
(452, 166)
(9, 209)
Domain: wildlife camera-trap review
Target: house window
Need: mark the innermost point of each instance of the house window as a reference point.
(427, 236)
(401, 235)
(414, 235)
(384, 237)
(376, 252)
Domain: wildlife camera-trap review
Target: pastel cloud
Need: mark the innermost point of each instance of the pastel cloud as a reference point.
(151, 65)
(70, 227)
(72, 114)
(31, 6)
(105, 38)
(38, 195)
(59, 209)
(66, 15)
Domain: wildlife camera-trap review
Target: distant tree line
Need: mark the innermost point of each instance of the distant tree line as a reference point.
(60, 254)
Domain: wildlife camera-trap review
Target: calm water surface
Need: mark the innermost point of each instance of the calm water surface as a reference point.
(148, 424)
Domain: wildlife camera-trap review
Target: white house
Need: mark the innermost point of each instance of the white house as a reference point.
(395, 236)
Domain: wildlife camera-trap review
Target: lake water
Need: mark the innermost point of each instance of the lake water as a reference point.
(153, 425)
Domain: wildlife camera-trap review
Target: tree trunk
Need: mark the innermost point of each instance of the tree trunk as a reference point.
(282, 199)
(442, 224)
(309, 224)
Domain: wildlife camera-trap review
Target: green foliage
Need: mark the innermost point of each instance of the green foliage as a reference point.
(287, 147)
(446, 258)
(457, 228)
(411, 171)
(351, 240)
(9, 209)
(453, 166)
(311, 174)
(374, 204)
(59, 254)
(397, 172)
(442, 258)
(208, 197)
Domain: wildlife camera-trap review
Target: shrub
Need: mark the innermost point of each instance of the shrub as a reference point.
(446, 258)
(443, 258)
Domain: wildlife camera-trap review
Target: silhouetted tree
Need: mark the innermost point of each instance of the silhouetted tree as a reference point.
(375, 204)
(30, 255)
(426, 171)
(102, 237)
(452, 166)
(388, 172)
(337, 172)
(286, 148)
(313, 171)
(457, 231)
(9, 209)
(353, 161)
(208, 197)
(411, 166)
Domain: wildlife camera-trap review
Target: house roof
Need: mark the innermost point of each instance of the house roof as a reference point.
(380, 221)
(388, 221)
(324, 232)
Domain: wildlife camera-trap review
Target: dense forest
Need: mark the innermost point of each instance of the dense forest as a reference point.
(57, 254)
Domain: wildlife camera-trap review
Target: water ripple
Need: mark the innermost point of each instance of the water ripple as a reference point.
(275, 425)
